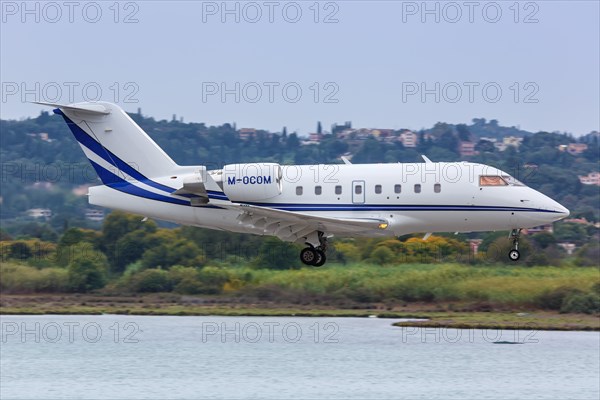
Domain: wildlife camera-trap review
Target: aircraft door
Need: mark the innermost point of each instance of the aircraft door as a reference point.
(358, 192)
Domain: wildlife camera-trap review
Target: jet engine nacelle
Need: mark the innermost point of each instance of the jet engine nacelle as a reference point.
(253, 181)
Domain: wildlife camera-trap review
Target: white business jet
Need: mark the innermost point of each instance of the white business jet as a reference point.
(300, 203)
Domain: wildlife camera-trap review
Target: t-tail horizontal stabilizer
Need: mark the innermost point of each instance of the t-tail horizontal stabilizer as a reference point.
(90, 108)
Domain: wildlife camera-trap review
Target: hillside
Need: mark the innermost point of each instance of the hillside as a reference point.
(42, 164)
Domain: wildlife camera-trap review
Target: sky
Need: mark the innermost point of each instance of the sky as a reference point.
(270, 64)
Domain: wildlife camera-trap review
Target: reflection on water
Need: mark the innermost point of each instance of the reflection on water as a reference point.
(266, 357)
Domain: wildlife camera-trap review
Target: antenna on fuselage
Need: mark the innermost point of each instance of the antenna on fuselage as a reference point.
(345, 160)
(427, 160)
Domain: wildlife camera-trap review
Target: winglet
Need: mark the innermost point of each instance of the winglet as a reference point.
(427, 236)
(90, 108)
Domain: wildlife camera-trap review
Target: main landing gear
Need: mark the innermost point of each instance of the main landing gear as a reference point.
(315, 255)
(514, 254)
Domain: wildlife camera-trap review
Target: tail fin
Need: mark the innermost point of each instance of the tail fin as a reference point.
(115, 145)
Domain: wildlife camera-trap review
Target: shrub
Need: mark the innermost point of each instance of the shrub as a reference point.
(212, 280)
(151, 280)
(15, 278)
(589, 255)
(190, 286)
(581, 303)
(554, 299)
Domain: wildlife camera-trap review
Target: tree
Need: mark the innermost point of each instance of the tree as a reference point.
(346, 252)
(19, 250)
(166, 248)
(382, 255)
(463, 132)
(543, 239)
(71, 238)
(448, 141)
(485, 146)
(116, 243)
(276, 254)
(87, 270)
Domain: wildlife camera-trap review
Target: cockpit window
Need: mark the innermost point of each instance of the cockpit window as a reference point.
(512, 181)
(491, 180)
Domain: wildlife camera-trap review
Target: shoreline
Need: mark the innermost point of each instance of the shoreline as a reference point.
(433, 316)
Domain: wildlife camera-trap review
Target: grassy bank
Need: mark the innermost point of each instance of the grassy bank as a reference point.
(446, 294)
(173, 305)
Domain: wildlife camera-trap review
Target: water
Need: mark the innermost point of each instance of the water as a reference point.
(109, 356)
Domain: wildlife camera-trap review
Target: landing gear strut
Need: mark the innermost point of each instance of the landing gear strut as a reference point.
(514, 254)
(315, 256)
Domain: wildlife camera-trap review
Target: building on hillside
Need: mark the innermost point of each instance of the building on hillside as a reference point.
(474, 245)
(81, 190)
(409, 139)
(576, 148)
(573, 148)
(315, 137)
(335, 128)
(94, 214)
(382, 133)
(512, 141)
(580, 221)
(345, 134)
(569, 247)
(593, 178)
(537, 229)
(500, 146)
(42, 136)
(247, 133)
(467, 149)
(39, 213)
(363, 134)
(42, 185)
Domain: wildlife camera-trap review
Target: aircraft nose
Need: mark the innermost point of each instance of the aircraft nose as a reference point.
(558, 208)
(562, 211)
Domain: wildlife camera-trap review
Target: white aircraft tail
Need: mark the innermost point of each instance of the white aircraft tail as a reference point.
(115, 145)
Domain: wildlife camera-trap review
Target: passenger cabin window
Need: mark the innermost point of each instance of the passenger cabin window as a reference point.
(299, 190)
(491, 180)
(358, 189)
(397, 188)
(338, 190)
(378, 189)
(418, 188)
(318, 190)
(437, 188)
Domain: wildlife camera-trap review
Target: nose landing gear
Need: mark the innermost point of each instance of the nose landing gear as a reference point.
(315, 256)
(514, 254)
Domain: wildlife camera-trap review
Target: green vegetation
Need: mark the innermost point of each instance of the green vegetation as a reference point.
(125, 256)
(30, 162)
(130, 256)
(565, 289)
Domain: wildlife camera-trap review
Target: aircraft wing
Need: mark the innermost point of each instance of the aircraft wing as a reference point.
(291, 225)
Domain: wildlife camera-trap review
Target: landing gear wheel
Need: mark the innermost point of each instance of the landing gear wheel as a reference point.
(309, 256)
(321, 258)
(514, 255)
